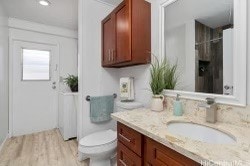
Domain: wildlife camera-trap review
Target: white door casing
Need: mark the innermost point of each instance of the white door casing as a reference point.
(34, 103)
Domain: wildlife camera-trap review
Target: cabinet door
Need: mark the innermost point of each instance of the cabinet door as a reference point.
(122, 14)
(108, 42)
(157, 154)
(130, 138)
(126, 157)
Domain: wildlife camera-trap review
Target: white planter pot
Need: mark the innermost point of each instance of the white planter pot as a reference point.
(157, 103)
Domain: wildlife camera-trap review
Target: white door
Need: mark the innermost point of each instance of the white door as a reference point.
(34, 93)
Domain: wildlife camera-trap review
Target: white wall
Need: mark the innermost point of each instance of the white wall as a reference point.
(189, 79)
(99, 81)
(95, 80)
(179, 48)
(66, 45)
(141, 77)
(4, 76)
(142, 80)
(175, 51)
(248, 54)
(67, 49)
(141, 74)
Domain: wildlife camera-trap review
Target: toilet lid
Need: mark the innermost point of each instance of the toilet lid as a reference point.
(99, 138)
(129, 105)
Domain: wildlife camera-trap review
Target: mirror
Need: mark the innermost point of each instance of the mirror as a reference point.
(199, 38)
(202, 29)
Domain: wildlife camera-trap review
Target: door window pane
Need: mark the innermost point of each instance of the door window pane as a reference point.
(36, 65)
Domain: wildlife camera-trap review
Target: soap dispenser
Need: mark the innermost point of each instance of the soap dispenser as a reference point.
(178, 110)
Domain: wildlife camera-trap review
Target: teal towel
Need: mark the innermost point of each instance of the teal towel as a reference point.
(101, 108)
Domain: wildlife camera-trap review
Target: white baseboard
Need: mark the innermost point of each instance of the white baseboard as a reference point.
(1, 146)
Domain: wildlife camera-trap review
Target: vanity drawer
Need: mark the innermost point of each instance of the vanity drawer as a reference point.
(130, 138)
(158, 154)
(126, 157)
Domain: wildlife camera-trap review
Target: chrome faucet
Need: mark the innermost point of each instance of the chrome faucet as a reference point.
(211, 110)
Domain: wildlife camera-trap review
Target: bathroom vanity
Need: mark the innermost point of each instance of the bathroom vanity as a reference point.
(144, 138)
(204, 51)
(137, 149)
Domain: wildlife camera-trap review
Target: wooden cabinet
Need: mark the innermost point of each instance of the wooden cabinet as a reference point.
(126, 157)
(130, 138)
(134, 149)
(122, 16)
(126, 35)
(158, 155)
(108, 38)
(129, 150)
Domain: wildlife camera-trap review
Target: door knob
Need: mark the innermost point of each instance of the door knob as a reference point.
(54, 85)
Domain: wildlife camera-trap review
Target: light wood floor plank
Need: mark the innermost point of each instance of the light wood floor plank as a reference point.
(40, 149)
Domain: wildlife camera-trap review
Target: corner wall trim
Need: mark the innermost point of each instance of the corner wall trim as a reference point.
(1, 145)
(42, 28)
(105, 3)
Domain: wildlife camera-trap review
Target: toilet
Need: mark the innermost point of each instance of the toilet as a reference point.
(100, 147)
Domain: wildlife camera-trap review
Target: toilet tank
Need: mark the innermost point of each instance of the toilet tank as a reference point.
(126, 106)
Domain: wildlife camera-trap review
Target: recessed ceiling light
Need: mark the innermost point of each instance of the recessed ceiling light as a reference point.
(44, 2)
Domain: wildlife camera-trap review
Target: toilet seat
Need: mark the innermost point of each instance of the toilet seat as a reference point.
(98, 143)
(99, 138)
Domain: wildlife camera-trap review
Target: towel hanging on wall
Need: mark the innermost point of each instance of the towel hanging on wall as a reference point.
(101, 108)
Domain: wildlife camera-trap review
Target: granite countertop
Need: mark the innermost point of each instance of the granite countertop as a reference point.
(154, 125)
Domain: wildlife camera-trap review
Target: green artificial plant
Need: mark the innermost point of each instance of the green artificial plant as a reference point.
(170, 75)
(163, 76)
(157, 77)
(72, 82)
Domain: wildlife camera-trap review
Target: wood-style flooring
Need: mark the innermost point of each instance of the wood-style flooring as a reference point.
(40, 149)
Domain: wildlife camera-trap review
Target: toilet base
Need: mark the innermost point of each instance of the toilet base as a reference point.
(99, 162)
(81, 157)
(99, 151)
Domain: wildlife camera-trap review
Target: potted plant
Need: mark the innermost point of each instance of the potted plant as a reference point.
(163, 76)
(72, 82)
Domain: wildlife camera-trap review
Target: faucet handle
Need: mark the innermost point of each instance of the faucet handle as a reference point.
(210, 100)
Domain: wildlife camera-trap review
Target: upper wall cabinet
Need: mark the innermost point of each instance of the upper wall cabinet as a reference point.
(108, 40)
(126, 35)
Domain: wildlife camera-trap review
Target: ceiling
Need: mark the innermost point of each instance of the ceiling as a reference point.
(62, 13)
(213, 13)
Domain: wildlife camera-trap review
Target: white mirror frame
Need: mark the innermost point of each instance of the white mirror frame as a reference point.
(240, 61)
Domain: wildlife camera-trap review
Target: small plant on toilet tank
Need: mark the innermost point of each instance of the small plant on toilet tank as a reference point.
(163, 76)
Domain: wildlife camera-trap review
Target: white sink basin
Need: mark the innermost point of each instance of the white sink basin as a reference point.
(200, 133)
